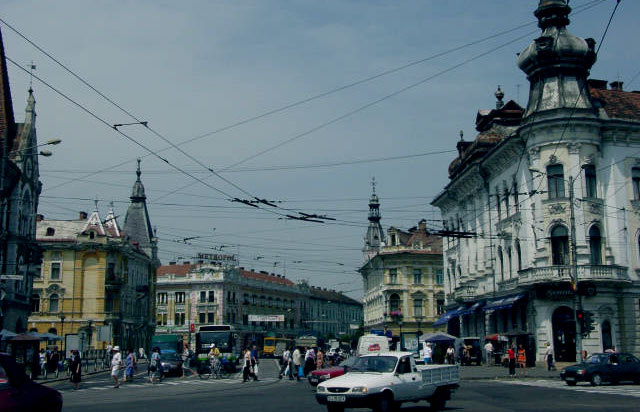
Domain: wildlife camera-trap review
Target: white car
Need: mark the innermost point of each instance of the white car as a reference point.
(383, 381)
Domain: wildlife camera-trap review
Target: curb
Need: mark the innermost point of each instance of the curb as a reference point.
(506, 378)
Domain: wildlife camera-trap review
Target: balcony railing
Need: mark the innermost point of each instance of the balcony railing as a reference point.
(465, 293)
(562, 273)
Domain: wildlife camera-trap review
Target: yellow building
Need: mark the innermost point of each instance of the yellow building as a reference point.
(97, 281)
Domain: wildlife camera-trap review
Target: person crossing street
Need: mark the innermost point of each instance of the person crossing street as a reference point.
(116, 364)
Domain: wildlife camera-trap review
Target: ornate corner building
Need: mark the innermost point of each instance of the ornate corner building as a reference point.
(97, 284)
(402, 275)
(552, 194)
(19, 193)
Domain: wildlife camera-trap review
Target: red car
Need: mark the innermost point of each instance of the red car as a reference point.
(321, 375)
(18, 393)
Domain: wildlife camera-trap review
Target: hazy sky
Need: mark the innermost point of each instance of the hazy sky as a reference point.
(193, 68)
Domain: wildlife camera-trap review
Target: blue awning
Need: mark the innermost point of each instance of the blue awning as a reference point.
(504, 303)
(448, 316)
(471, 309)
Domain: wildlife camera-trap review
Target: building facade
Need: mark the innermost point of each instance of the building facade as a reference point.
(550, 195)
(19, 193)
(403, 282)
(256, 304)
(97, 284)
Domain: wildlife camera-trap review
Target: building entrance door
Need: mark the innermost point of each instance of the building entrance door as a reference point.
(564, 334)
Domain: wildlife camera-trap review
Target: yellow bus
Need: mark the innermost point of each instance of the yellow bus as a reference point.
(275, 347)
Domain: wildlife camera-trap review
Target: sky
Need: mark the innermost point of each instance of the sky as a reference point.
(300, 103)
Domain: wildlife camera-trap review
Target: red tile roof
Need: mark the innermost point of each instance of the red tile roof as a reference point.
(618, 103)
(177, 270)
(265, 277)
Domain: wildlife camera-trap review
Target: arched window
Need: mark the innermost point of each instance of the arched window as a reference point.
(595, 246)
(53, 303)
(559, 246)
(555, 181)
(518, 255)
(53, 330)
(394, 303)
(51, 231)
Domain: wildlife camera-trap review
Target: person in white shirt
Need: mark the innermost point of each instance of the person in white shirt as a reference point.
(116, 364)
(297, 362)
(285, 369)
(548, 356)
(488, 348)
(428, 353)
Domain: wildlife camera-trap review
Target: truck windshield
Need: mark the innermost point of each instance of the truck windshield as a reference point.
(375, 364)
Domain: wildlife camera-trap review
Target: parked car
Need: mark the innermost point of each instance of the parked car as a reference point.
(603, 367)
(321, 375)
(171, 363)
(18, 393)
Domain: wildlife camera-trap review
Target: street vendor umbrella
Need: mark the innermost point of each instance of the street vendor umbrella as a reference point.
(51, 336)
(24, 337)
(7, 334)
(437, 337)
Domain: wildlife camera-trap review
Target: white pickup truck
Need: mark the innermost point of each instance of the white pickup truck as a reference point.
(383, 381)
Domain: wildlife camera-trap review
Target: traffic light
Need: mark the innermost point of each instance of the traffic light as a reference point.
(580, 319)
(588, 323)
(192, 328)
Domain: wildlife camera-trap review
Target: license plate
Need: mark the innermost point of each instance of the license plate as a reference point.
(337, 398)
(570, 379)
(313, 379)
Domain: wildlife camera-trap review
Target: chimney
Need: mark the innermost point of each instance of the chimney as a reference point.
(617, 85)
(39, 217)
(597, 84)
(82, 215)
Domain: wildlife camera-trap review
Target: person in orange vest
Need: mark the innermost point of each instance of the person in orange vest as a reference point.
(522, 361)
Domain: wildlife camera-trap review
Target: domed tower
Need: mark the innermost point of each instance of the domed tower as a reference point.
(374, 239)
(557, 65)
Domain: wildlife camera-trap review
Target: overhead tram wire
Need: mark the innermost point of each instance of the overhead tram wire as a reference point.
(151, 152)
(584, 7)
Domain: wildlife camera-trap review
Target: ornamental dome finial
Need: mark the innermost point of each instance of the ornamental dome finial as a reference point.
(499, 95)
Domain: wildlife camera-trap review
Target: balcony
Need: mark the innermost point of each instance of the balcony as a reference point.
(465, 293)
(562, 273)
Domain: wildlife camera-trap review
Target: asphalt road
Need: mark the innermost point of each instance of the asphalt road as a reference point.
(271, 394)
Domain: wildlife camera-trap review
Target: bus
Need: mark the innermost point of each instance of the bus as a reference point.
(224, 339)
(275, 347)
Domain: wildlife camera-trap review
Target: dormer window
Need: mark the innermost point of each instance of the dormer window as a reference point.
(92, 235)
(51, 231)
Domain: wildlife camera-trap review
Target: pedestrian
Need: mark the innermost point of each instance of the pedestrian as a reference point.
(522, 361)
(141, 353)
(186, 360)
(154, 364)
(297, 362)
(319, 359)
(246, 365)
(54, 358)
(116, 364)
(428, 353)
(511, 355)
(254, 363)
(451, 355)
(488, 348)
(43, 362)
(76, 369)
(548, 356)
(583, 354)
(130, 366)
(284, 367)
(309, 361)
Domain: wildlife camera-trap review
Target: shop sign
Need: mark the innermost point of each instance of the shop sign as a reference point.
(266, 318)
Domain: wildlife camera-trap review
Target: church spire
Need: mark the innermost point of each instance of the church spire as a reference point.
(137, 224)
(374, 239)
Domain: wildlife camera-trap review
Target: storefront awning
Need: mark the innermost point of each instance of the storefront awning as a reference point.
(504, 303)
(448, 316)
(471, 309)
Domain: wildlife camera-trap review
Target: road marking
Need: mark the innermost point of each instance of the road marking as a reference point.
(626, 390)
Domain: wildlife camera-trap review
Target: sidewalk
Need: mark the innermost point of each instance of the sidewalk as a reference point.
(499, 372)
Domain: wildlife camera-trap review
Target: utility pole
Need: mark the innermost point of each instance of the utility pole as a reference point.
(577, 303)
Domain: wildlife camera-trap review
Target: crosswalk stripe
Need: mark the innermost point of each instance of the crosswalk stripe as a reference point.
(633, 391)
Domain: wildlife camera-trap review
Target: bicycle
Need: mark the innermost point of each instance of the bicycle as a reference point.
(204, 370)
